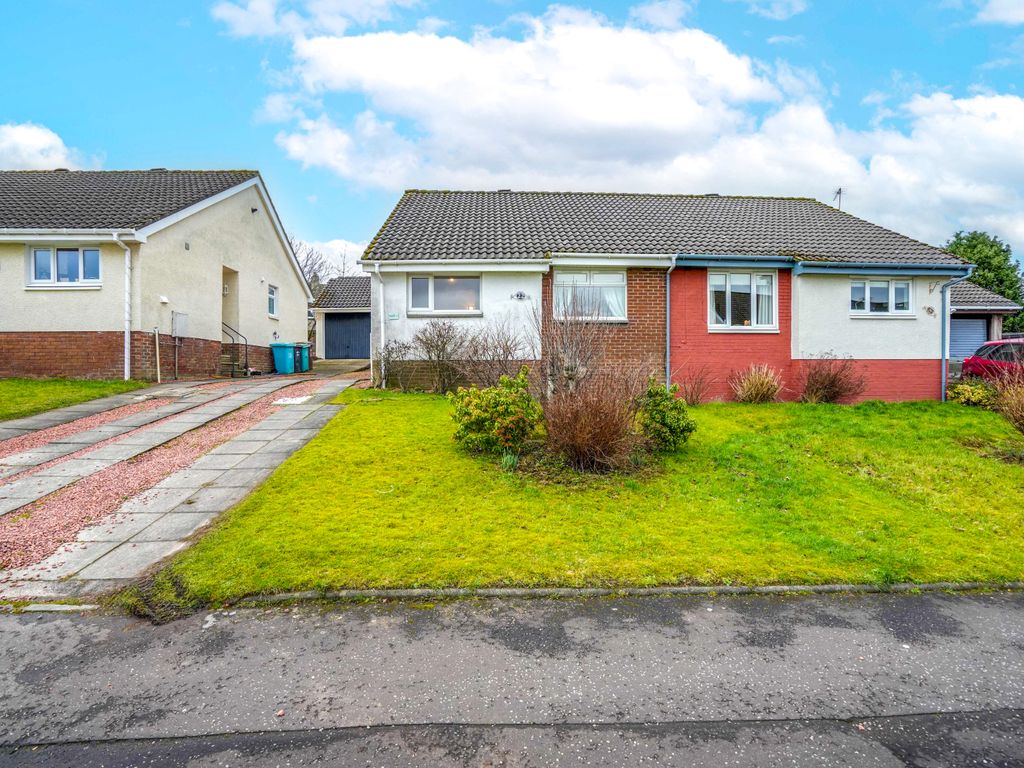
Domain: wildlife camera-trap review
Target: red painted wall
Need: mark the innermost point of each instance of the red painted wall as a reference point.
(692, 346)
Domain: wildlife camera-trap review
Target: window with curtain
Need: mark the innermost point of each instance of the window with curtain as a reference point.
(590, 295)
(741, 300)
(880, 297)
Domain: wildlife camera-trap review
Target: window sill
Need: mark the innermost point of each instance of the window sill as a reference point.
(882, 316)
(273, 317)
(730, 329)
(63, 286)
(450, 313)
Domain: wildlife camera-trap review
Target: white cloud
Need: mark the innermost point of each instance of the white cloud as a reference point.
(1001, 12)
(778, 10)
(660, 14)
(344, 254)
(578, 103)
(431, 25)
(269, 18)
(785, 39)
(27, 146)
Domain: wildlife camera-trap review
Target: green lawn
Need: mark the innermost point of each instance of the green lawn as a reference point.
(762, 494)
(24, 397)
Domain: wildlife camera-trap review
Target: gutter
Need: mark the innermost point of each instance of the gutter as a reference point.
(127, 306)
(946, 312)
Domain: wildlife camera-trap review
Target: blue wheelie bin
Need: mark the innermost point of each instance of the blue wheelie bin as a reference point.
(284, 357)
(302, 359)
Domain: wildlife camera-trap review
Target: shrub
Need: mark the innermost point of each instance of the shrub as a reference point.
(591, 428)
(441, 342)
(491, 352)
(831, 379)
(391, 367)
(694, 384)
(756, 384)
(972, 391)
(1009, 399)
(570, 350)
(496, 419)
(661, 417)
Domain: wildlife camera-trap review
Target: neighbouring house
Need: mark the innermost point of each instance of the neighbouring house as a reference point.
(96, 266)
(342, 313)
(978, 315)
(683, 281)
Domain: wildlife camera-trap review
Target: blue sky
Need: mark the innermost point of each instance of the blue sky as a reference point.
(913, 106)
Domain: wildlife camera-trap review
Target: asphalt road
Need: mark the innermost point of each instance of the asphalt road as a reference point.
(924, 680)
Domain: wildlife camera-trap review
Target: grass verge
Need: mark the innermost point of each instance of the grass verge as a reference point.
(26, 397)
(788, 493)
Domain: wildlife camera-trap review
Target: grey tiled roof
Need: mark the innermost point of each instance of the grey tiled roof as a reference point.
(529, 225)
(968, 294)
(345, 293)
(104, 199)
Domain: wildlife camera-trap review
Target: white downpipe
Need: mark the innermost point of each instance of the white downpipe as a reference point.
(127, 306)
(380, 286)
(156, 343)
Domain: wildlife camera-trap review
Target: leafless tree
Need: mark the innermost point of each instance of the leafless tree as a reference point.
(495, 350)
(571, 349)
(316, 266)
(440, 342)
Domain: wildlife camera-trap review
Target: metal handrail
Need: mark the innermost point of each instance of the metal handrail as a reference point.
(235, 335)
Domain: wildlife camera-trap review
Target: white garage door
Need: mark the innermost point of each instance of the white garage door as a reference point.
(966, 334)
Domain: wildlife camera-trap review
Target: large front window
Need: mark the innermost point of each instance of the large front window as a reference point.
(590, 295)
(444, 294)
(880, 297)
(65, 266)
(741, 300)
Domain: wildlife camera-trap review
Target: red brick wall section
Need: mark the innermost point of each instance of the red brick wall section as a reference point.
(260, 358)
(80, 354)
(693, 346)
(197, 358)
(641, 340)
(897, 380)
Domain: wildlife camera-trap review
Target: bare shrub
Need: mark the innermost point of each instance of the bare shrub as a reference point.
(1010, 396)
(491, 352)
(592, 426)
(392, 367)
(571, 349)
(831, 379)
(441, 343)
(694, 383)
(756, 384)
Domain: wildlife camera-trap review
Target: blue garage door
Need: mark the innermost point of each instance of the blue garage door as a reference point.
(966, 334)
(347, 335)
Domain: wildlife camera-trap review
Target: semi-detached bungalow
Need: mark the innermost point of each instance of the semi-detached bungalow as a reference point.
(105, 272)
(680, 280)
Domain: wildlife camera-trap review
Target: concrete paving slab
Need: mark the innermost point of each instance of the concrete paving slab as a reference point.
(34, 486)
(175, 527)
(69, 559)
(243, 478)
(13, 503)
(118, 527)
(190, 478)
(74, 468)
(115, 452)
(212, 500)
(283, 446)
(245, 447)
(260, 461)
(264, 434)
(156, 500)
(220, 461)
(37, 456)
(130, 559)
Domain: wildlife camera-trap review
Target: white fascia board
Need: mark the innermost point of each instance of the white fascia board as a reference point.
(255, 181)
(656, 260)
(66, 235)
(1007, 310)
(456, 266)
(333, 310)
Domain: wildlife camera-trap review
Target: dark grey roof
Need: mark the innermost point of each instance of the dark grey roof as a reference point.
(104, 199)
(968, 294)
(345, 293)
(529, 225)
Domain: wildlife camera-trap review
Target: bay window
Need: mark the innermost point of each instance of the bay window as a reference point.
(444, 294)
(64, 266)
(880, 297)
(738, 300)
(590, 295)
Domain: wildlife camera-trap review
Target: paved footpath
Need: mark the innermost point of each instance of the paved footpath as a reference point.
(159, 522)
(870, 680)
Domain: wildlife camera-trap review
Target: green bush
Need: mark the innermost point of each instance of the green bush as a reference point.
(496, 419)
(662, 418)
(972, 391)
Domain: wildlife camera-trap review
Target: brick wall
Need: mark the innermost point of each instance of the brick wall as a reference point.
(197, 358)
(260, 358)
(641, 340)
(901, 379)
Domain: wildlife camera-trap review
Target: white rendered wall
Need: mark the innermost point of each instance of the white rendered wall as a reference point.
(822, 321)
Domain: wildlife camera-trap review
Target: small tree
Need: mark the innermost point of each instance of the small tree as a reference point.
(491, 352)
(441, 343)
(317, 267)
(996, 269)
(571, 349)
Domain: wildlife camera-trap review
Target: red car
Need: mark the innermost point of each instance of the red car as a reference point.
(995, 357)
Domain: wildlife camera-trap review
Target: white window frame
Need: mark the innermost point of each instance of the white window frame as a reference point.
(892, 311)
(273, 292)
(80, 283)
(590, 276)
(754, 326)
(412, 311)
